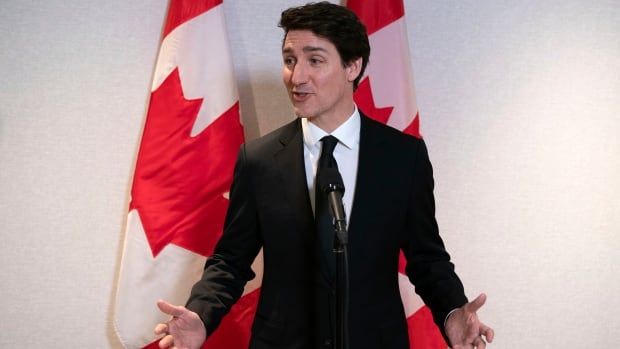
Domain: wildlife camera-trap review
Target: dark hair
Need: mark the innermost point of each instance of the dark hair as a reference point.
(335, 23)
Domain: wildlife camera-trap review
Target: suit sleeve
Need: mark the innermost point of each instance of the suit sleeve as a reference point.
(428, 264)
(229, 268)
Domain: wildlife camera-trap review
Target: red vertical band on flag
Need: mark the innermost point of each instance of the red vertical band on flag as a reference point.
(423, 333)
(235, 330)
(376, 14)
(181, 11)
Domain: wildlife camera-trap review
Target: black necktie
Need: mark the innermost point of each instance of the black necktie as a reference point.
(322, 217)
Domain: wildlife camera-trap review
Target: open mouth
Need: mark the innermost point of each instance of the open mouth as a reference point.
(300, 96)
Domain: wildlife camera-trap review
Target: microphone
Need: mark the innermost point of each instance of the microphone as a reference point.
(332, 184)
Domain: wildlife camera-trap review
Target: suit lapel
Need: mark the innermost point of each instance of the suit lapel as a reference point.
(292, 172)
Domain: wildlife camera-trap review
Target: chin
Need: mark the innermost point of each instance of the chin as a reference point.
(302, 114)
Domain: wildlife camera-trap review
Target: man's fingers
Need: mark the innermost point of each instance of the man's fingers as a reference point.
(477, 303)
(161, 329)
(166, 342)
(487, 332)
(479, 343)
(170, 309)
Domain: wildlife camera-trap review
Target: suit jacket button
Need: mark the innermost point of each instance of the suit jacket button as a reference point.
(327, 342)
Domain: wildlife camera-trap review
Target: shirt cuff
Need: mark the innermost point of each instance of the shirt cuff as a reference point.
(445, 322)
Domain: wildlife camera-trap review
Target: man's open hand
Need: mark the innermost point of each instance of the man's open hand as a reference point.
(464, 329)
(184, 331)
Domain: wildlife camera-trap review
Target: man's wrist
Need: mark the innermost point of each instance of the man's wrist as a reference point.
(445, 321)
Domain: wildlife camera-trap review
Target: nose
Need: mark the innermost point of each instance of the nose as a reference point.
(299, 74)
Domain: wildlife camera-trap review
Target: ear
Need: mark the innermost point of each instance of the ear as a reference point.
(353, 69)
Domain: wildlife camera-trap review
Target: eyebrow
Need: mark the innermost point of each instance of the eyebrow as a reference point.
(306, 49)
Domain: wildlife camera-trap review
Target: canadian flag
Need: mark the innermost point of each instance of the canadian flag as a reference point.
(386, 93)
(183, 172)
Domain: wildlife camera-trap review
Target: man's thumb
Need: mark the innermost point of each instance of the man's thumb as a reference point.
(477, 303)
(170, 309)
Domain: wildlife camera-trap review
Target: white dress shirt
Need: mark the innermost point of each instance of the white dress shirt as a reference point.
(346, 154)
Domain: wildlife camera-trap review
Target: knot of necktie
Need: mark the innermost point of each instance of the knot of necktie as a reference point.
(327, 152)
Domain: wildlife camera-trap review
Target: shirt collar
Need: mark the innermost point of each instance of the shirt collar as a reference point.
(348, 133)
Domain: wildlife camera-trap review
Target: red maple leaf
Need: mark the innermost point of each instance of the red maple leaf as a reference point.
(414, 127)
(180, 182)
(366, 102)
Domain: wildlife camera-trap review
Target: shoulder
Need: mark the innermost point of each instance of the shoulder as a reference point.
(273, 141)
(390, 137)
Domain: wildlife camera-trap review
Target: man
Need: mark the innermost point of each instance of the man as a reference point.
(273, 204)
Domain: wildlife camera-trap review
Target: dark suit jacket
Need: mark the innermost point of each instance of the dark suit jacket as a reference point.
(393, 210)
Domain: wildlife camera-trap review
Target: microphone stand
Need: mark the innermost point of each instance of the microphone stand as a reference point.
(342, 268)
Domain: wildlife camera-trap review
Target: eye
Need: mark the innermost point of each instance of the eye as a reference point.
(289, 61)
(315, 60)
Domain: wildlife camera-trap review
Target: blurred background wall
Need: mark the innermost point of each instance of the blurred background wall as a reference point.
(519, 105)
